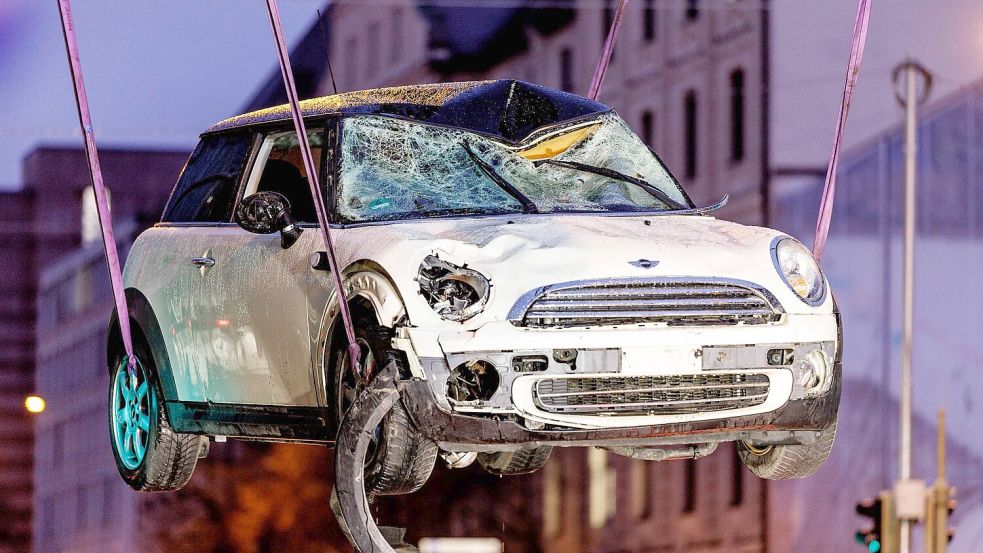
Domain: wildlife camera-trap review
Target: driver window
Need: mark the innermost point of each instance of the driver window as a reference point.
(279, 167)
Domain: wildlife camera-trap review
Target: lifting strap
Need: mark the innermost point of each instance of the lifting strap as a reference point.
(102, 206)
(605, 59)
(354, 352)
(850, 84)
(95, 174)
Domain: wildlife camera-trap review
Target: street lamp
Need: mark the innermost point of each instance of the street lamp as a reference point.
(34, 404)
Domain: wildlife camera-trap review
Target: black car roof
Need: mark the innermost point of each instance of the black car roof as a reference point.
(505, 108)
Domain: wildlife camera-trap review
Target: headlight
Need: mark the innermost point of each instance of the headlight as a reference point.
(455, 293)
(799, 269)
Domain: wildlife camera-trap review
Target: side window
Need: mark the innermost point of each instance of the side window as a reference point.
(207, 186)
(279, 167)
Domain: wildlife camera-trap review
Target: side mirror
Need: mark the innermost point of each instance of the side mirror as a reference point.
(266, 212)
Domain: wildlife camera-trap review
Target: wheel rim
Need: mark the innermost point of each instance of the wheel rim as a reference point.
(348, 391)
(758, 450)
(130, 414)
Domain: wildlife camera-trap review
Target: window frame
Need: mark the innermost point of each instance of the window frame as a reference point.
(237, 185)
(260, 133)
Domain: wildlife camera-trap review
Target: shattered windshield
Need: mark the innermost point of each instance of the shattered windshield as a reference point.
(398, 169)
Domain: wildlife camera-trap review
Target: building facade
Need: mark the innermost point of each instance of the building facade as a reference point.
(17, 298)
(692, 82)
(79, 501)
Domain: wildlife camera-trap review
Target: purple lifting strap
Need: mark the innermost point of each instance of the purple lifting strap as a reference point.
(95, 172)
(853, 69)
(605, 60)
(354, 352)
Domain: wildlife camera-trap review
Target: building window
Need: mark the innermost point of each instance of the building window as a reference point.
(351, 64)
(641, 490)
(566, 70)
(375, 31)
(737, 115)
(648, 20)
(553, 498)
(692, 10)
(690, 139)
(91, 231)
(689, 486)
(603, 503)
(396, 36)
(607, 20)
(737, 482)
(648, 128)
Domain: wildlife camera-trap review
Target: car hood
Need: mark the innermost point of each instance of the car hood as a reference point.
(519, 254)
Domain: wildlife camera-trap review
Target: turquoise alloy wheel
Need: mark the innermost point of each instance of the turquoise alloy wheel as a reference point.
(130, 410)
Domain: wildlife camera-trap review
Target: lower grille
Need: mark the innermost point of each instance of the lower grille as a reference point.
(655, 395)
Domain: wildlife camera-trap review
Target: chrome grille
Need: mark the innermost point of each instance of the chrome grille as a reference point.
(655, 395)
(675, 301)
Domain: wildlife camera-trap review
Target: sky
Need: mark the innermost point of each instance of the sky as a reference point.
(811, 44)
(157, 73)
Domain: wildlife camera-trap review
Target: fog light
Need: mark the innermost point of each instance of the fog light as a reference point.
(813, 370)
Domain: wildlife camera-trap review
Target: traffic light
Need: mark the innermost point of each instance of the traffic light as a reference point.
(938, 533)
(870, 536)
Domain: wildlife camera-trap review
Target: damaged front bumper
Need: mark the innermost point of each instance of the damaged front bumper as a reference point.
(642, 386)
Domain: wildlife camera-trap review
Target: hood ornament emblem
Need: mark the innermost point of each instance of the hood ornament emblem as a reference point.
(644, 263)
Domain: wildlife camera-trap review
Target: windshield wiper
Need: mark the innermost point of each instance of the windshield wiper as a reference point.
(505, 185)
(618, 175)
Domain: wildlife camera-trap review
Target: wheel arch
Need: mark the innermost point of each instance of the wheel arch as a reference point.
(371, 293)
(143, 320)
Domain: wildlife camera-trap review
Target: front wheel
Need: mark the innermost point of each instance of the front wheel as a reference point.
(150, 456)
(400, 458)
(784, 462)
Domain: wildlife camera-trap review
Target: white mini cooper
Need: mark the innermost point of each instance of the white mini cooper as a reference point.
(533, 271)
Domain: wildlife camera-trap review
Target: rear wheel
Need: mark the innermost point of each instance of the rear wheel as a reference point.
(785, 462)
(399, 459)
(150, 456)
(522, 461)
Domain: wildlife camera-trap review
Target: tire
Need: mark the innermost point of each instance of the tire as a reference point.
(168, 458)
(522, 461)
(785, 462)
(402, 458)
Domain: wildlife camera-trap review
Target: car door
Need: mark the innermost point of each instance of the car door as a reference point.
(255, 291)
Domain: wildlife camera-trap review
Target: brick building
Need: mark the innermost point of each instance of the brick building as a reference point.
(17, 295)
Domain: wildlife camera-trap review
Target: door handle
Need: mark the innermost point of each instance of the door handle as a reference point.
(202, 261)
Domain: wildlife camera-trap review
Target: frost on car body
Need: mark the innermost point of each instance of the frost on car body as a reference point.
(535, 275)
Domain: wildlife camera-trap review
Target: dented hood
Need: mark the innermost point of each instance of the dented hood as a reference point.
(522, 253)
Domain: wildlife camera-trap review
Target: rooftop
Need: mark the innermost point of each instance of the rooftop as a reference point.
(507, 109)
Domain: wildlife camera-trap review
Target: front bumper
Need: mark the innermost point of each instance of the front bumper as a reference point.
(796, 422)
(514, 416)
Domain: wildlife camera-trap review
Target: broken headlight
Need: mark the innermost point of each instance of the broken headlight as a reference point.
(455, 293)
(799, 269)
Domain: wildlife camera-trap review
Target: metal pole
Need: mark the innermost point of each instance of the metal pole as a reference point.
(908, 287)
(911, 99)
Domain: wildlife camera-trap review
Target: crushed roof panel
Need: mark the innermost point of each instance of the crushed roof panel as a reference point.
(504, 108)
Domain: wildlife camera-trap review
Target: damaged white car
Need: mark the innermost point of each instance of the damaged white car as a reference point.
(533, 272)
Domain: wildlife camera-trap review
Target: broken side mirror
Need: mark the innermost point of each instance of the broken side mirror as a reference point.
(266, 212)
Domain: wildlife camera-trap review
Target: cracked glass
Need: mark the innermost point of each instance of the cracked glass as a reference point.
(393, 168)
